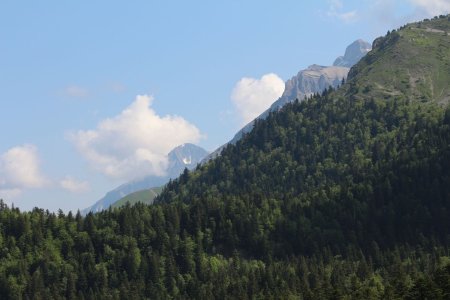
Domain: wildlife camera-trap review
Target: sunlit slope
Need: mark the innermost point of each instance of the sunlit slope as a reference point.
(144, 196)
(410, 63)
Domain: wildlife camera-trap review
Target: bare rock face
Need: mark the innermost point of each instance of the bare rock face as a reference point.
(354, 52)
(184, 156)
(314, 79)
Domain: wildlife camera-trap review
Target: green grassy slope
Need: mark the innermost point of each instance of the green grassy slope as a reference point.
(410, 63)
(144, 196)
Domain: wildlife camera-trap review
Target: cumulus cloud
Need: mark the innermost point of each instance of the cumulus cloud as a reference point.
(432, 7)
(253, 96)
(73, 185)
(19, 168)
(336, 10)
(134, 143)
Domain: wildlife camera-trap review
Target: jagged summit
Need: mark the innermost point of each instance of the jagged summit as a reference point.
(353, 53)
(185, 156)
(312, 80)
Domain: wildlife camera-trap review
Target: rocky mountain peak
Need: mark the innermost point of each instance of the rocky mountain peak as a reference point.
(185, 156)
(353, 53)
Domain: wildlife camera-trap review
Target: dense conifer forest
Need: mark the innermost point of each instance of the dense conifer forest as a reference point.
(345, 195)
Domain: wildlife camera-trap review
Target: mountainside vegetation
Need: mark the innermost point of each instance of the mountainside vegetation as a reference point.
(410, 63)
(145, 196)
(345, 195)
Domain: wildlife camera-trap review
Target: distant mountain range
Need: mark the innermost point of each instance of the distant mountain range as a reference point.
(312, 80)
(181, 157)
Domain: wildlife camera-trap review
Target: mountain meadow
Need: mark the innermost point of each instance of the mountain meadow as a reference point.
(344, 195)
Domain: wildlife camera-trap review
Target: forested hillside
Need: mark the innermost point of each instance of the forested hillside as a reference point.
(343, 196)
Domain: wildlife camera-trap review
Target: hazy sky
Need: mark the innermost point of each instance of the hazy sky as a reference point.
(95, 93)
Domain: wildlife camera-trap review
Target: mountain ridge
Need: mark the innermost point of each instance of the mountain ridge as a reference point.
(307, 82)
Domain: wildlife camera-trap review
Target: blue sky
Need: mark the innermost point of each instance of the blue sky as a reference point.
(95, 93)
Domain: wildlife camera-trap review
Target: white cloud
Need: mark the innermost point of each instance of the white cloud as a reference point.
(73, 185)
(135, 142)
(432, 7)
(335, 10)
(19, 168)
(253, 96)
(76, 91)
